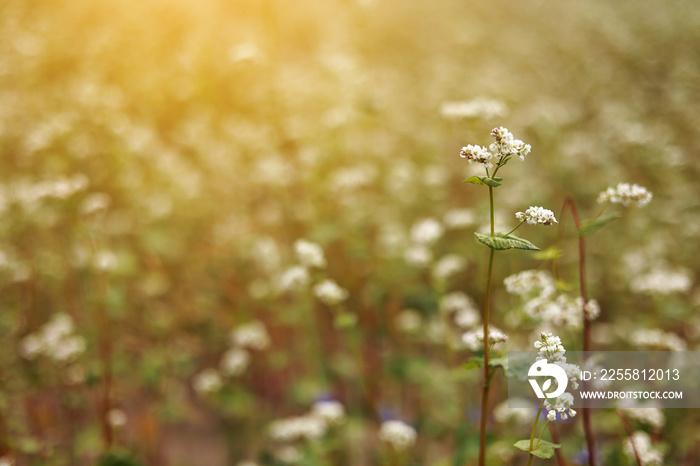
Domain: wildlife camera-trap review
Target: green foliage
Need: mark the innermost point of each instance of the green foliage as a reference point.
(485, 180)
(544, 448)
(503, 242)
(591, 226)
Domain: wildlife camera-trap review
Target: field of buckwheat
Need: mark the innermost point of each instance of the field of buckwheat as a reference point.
(256, 232)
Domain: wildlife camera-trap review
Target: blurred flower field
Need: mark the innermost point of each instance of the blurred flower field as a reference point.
(237, 232)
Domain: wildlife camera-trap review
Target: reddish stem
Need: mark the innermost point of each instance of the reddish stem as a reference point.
(586, 412)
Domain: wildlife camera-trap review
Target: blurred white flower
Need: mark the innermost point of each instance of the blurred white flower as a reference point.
(116, 418)
(657, 338)
(459, 218)
(309, 254)
(535, 215)
(626, 194)
(662, 281)
(408, 321)
(648, 455)
(531, 282)
(297, 428)
(474, 340)
(418, 255)
(234, 362)
(55, 339)
(448, 266)
(330, 293)
(480, 107)
(398, 434)
(426, 231)
(294, 278)
(332, 412)
(251, 335)
(207, 381)
(504, 414)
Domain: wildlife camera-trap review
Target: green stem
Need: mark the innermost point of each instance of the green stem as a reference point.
(542, 433)
(532, 434)
(487, 373)
(511, 231)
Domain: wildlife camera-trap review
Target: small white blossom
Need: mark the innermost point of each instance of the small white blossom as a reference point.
(116, 418)
(480, 107)
(591, 310)
(648, 455)
(474, 340)
(626, 194)
(506, 145)
(330, 293)
(398, 434)
(332, 412)
(535, 215)
(309, 254)
(459, 218)
(658, 339)
(426, 231)
(561, 405)
(662, 281)
(234, 362)
(294, 278)
(531, 282)
(448, 266)
(550, 348)
(475, 153)
(207, 381)
(251, 335)
(504, 414)
(408, 321)
(418, 255)
(297, 428)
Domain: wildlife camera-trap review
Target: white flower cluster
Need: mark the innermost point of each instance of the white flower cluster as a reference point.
(207, 381)
(561, 405)
(531, 283)
(649, 415)
(481, 107)
(408, 321)
(236, 359)
(504, 414)
(507, 146)
(55, 340)
(397, 434)
(648, 455)
(542, 301)
(330, 293)
(535, 215)
(294, 278)
(626, 194)
(309, 254)
(551, 349)
(458, 218)
(662, 281)
(476, 153)
(424, 233)
(474, 340)
(461, 308)
(448, 266)
(658, 339)
(311, 426)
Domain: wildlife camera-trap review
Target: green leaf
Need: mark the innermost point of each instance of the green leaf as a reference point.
(474, 363)
(503, 242)
(550, 253)
(345, 320)
(591, 226)
(544, 449)
(493, 182)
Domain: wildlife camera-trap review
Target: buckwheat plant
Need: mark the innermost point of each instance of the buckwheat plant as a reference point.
(625, 195)
(504, 148)
(551, 350)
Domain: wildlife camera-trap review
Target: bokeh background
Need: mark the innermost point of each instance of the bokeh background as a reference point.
(159, 159)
